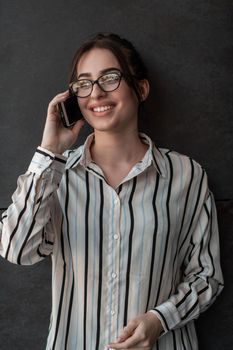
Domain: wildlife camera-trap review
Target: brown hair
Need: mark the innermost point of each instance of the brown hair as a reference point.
(129, 59)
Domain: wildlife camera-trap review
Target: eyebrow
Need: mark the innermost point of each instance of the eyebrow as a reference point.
(101, 72)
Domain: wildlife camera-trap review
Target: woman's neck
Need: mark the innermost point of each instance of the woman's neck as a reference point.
(111, 149)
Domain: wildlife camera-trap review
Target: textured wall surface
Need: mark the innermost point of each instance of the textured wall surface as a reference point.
(187, 46)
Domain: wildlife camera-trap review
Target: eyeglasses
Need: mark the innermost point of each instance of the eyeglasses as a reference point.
(106, 82)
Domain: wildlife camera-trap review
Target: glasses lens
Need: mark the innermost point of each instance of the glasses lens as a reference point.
(109, 81)
(82, 87)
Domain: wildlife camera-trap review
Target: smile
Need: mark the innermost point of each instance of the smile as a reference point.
(102, 108)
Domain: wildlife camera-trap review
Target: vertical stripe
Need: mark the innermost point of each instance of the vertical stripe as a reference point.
(174, 340)
(194, 210)
(174, 273)
(119, 189)
(123, 250)
(129, 251)
(93, 311)
(210, 218)
(192, 219)
(168, 229)
(68, 236)
(100, 264)
(62, 291)
(29, 234)
(86, 259)
(69, 312)
(154, 239)
(26, 240)
(188, 337)
(182, 339)
(76, 224)
(142, 250)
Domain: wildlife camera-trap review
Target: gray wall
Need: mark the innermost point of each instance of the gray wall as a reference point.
(187, 46)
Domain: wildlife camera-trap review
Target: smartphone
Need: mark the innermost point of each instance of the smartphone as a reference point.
(70, 111)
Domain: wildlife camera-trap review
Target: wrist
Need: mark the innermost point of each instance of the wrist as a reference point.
(53, 150)
(157, 322)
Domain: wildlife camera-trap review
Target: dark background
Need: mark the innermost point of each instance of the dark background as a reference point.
(187, 46)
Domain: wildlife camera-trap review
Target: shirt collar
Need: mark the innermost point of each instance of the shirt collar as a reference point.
(153, 155)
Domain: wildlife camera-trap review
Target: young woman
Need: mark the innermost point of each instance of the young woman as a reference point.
(131, 228)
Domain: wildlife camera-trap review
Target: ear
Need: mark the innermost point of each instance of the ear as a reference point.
(144, 89)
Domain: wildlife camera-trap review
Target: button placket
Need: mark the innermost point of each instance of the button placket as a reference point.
(116, 251)
(113, 273)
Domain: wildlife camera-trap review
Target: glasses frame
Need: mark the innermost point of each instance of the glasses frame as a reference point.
(93, 82)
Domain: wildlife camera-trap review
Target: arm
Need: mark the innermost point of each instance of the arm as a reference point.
(202, 277)
(26, 232)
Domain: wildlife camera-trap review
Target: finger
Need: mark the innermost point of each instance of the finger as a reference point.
(58, 98)
(133, 341)
(127, 331)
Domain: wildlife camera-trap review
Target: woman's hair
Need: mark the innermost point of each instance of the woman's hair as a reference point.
(129, 59)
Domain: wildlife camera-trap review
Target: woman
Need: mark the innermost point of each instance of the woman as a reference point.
(131, 228)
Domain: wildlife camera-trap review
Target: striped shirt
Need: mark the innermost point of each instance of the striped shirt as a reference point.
(150, 244)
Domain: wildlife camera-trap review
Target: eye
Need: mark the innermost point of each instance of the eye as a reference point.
(81, 84)
(109, 78)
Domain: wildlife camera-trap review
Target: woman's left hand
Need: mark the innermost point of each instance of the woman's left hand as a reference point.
(140, 333)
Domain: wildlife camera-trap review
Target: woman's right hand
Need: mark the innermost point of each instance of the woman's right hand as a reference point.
(57, 138)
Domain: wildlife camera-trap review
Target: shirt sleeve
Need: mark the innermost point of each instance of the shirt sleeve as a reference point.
(202, 279)
(26, 232)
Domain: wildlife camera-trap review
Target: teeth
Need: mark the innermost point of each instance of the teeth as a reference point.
(102, 108)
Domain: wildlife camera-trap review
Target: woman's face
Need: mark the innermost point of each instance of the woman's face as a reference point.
(122, 103)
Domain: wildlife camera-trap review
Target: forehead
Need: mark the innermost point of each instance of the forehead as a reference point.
(95, 60)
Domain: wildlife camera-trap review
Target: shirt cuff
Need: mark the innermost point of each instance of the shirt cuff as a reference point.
(47, 162)
(168, 315)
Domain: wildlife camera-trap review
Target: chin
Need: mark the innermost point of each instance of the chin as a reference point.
(103, 125)
(110, 124)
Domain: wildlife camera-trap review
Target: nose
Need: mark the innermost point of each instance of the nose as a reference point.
(97, 91)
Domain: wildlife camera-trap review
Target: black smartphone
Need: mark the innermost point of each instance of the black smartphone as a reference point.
(70, 111)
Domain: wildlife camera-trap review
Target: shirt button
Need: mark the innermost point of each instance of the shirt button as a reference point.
(116, 236)
(47, 158)
(115, 201)
(114, 275)
(112, 312)
(48, 170)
